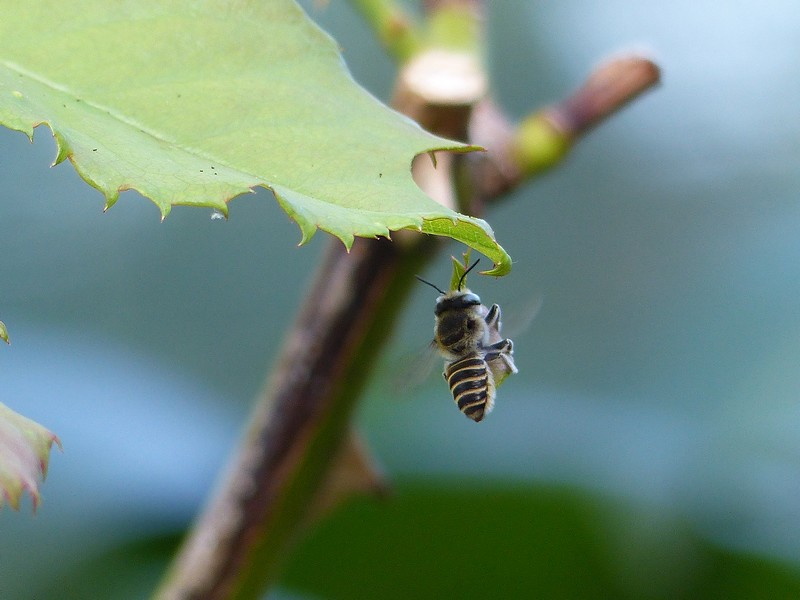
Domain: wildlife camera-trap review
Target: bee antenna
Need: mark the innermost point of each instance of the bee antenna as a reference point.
(464, 276)
(430, 284)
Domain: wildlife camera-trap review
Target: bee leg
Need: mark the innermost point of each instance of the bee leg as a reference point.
(498, 349)
(502, 351)
(508, 361)
(492, 318)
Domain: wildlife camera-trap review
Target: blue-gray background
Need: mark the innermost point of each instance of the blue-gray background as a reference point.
(660, 373)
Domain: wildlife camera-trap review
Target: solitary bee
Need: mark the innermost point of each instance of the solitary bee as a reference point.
(477, 358)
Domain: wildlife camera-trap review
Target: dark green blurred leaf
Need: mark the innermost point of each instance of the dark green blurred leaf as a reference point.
(440, 543)
(129, 571)
(484, 542)
(728, 575)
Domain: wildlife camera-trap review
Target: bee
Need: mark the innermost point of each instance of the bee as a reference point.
(477, 358)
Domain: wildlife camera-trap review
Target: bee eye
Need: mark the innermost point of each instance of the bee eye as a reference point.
(470, 299)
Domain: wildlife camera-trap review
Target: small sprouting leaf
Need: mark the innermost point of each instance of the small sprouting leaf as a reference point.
(24, 455)
(4, 333)
(459, 268)
(194, 103)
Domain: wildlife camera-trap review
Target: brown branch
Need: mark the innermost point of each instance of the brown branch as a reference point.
(609, 87)
(513, 157)
(475, 6)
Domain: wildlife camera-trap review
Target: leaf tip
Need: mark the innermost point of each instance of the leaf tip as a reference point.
(219, 211)
(346, 239)
(36, 499)
(501, 268)
(306, 233)
(54, 439)
(110, 201)
(165, 210)
(63, 149)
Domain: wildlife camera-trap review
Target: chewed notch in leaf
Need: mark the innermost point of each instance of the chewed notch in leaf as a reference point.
(265, 100)
(24, 456)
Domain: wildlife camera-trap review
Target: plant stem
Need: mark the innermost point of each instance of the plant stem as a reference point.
(392, 26)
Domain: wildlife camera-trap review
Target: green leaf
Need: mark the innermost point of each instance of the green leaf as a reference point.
(195, 102)
(457, 279)
(24, 454)
(531, 542)
(4, 333)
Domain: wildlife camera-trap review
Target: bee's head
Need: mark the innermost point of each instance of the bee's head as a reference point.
(456, 300)
(460, 298)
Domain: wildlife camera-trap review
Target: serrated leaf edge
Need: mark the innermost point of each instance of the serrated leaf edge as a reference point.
(38, 440)
(308, 226)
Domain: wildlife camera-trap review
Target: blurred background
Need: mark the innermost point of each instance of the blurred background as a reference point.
(649, 447)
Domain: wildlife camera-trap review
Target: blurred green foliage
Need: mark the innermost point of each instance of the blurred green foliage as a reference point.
(475, 541)
(478, 541)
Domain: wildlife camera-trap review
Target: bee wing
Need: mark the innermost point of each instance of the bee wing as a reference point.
(503, 365)
(415, 370)
(519, 317)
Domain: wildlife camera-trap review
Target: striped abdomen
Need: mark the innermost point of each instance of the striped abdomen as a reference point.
(472, 385)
